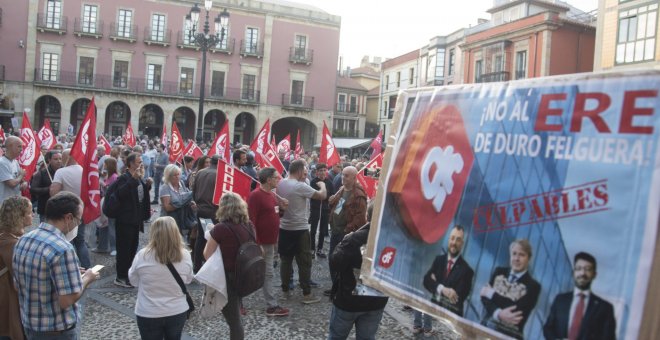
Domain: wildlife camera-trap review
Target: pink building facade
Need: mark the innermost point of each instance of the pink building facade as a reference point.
(276, 62)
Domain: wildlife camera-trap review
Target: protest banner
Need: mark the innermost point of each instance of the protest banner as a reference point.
(542, 176)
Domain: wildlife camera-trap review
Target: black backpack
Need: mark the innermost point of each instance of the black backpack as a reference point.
(250, 271)
(111, 206)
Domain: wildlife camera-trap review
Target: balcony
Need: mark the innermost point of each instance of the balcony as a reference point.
(229, 49)
(82, 28)
(249, 49)
(105, 82)
(46, 23)
(297, 102)
(347, 108)
(493, 77)
(123, 32)
(155, 37)
(183, 41)
(299, 55)
(520, 74)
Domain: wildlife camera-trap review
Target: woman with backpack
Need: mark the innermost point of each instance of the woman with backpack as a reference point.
(233, 230)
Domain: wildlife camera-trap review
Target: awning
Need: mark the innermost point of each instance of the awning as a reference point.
(349, 143)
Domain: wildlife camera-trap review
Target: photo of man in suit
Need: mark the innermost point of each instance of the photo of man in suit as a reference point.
(581, 314)
(511, 293)
(450, 278)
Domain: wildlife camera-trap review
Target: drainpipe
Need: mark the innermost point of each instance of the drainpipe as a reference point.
(536, 50)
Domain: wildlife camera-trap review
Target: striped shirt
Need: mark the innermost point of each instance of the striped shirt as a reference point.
(46, 267)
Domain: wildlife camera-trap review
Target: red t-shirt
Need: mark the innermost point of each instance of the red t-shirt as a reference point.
(263, 210)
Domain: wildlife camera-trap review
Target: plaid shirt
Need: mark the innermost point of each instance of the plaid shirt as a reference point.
(46, 267)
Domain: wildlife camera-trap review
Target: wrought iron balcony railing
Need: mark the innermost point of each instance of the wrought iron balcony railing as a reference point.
(123, 32)
(87, 28)
(250, 49)
(157, 37)
(51, 23)
(297, 102)
(301, 55)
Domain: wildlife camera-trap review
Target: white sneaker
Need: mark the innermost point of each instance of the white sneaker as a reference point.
(113, 253)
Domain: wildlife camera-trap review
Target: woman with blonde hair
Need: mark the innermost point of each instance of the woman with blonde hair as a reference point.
(176, 199)
(15, 215)
(234, 229)
(161, 307)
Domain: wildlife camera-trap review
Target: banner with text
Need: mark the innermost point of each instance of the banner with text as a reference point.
(499, 203)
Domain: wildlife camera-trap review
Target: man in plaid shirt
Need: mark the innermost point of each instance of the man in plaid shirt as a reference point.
(47, 272)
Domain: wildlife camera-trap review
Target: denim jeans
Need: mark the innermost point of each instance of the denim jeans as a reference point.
(366, 324)
(69, 334)
(107, 239)
(269, 292)
(422, 320)
(167, 327)
(81, 247)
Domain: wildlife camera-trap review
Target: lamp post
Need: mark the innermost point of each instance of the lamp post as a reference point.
(205, 41)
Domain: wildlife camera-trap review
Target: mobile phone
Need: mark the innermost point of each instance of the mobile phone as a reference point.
(97, 268)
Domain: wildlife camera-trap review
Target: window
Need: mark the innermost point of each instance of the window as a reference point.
(54, 14)
(297, 87)
(636, 36)
(411, 75)
(124, 23)
(387, 82)
(398, 79)
(188, 32)
(521, 64)
(498, 63)
(217, 83)
(222, 44)
(120, 79)
(351, 128)
(51, 63)
(249, 83)
(341, 102)
(154, 73)
(430, 70)
(90, 14)
(158, 27)
(452, 62)
(186, 80)
(440, 68)
(251, 39)
(478, 70)
(300, 47)
(353, 107)
(86, 71)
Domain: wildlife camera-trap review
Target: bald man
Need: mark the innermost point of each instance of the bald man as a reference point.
(11, 174)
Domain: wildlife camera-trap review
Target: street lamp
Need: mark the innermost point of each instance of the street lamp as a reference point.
(205, 41)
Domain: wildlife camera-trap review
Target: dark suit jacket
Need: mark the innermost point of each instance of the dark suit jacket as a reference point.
(525, 304)
(459, 279)
(598, 322)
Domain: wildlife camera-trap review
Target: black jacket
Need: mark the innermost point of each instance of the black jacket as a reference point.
(598, 322)
(343, 260)
(133, 212)
(40, 188)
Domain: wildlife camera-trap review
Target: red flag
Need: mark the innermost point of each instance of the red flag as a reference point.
(272, 142)
(163, 139)
(2, 133)
(193, 150)
(231, 179)
(220, 145)
(328, 154)
(285, 144)
(31, 148)
(46, 135)
(129, 137)
(299, 149)
(377, 145)
(176, 147)
(84, 152)
(370, 184)
(262, 138)
(105, 144)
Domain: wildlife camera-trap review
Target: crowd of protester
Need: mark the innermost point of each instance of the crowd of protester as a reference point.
(289, 214)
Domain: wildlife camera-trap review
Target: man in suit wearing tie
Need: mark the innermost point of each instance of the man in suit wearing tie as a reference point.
(511, 293)
(581, 314)
(450, 278)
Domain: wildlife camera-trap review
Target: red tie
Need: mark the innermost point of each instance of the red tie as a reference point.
(577, 319)
(449, 264)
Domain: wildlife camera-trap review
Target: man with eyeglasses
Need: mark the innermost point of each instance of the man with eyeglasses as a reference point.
(47, 272)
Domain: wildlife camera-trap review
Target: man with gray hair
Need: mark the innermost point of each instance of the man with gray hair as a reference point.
(11, 175)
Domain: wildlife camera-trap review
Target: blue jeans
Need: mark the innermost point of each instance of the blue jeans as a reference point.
(366, 324)
(107, 238)
(167, 327)
(422, 320)
(81, 247)
(69, 334)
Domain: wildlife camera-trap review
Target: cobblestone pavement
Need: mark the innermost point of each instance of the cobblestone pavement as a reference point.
(108, 310)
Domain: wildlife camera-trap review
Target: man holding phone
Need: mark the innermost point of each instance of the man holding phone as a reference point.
(133, 193)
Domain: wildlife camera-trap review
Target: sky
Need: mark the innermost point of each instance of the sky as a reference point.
(391, 28)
